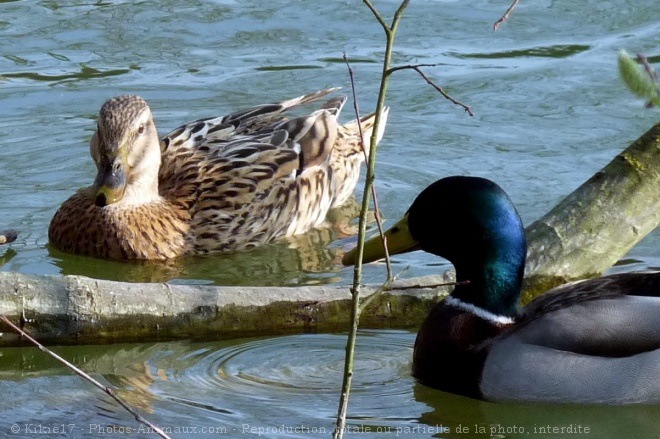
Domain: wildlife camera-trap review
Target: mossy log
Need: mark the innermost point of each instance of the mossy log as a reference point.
(596, 225)
(76, 309)
(582, 236)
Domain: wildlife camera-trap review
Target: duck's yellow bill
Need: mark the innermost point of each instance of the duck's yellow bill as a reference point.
(399, 240)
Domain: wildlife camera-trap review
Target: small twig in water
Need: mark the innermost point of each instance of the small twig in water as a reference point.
(385, 287)
(416, 67)
(379, 221)
(389, 286)
(79, 372)
(506, 15)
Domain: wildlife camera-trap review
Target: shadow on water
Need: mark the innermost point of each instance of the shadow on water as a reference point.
(558, 51)
(85, 73)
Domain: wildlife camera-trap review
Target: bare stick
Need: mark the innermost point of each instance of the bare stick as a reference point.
(390, 32)
(506, 15)
(79, 372)
(356, 106)
(429, 81)
(379, 223)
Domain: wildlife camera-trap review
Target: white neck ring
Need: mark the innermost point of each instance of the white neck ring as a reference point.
(479, 312)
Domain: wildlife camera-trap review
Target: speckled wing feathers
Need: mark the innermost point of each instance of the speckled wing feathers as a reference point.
(253, 186)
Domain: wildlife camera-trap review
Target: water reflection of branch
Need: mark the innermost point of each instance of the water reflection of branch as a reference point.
(416, 67)
(79, 372)
(506, 15)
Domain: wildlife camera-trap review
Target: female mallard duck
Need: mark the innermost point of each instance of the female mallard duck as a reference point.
(216, 184)
(595, 341)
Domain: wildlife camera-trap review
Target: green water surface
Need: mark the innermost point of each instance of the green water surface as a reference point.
(549, 112)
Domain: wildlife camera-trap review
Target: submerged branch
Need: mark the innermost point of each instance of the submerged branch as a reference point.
(88, 378)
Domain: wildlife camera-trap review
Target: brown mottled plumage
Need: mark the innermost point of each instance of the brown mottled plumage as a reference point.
(217, 184)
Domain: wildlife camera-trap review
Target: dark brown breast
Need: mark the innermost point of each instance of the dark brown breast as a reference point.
(450, 350)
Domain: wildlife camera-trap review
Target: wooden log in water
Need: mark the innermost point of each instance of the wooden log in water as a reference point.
(77, 309)
(582, 236)
(596, 225)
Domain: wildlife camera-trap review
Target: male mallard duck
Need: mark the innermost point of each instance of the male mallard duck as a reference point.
(216, 184)
(595, 341)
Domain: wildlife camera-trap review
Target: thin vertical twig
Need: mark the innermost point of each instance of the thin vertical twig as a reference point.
(390, 33)
(87, 377)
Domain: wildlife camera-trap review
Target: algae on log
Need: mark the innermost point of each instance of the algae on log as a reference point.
(76, 309)
(596, 225)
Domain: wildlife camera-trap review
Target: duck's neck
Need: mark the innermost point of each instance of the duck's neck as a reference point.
(493, 286)
(143, 191)
(142, 186)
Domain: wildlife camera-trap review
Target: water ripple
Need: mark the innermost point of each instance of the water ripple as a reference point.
(298, 365)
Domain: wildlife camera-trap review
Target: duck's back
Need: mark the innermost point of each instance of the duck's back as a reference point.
(244, 188)
(594, 342)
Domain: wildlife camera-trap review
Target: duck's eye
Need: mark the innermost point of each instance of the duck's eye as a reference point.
(141, 129)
